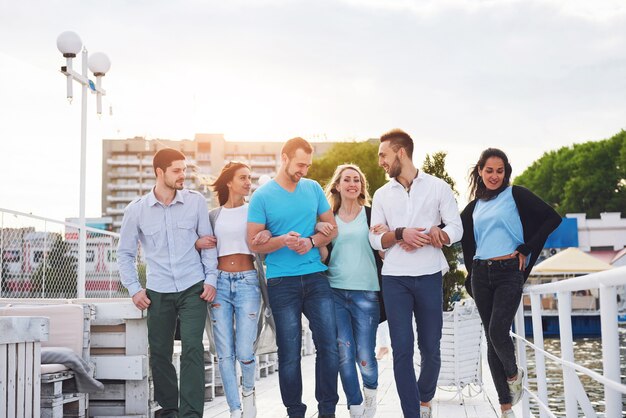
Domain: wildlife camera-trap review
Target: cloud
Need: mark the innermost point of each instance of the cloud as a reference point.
(598, 10)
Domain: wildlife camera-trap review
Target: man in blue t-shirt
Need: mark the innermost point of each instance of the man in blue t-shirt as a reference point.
(289, 206)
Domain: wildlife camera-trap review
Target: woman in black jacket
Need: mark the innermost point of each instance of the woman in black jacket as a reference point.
(505, 228)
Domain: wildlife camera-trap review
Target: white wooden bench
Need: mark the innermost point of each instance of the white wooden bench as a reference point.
(20, 344)
(68, 328)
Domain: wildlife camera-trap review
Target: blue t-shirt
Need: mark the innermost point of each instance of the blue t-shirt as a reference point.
(282, 211)
(497, 226)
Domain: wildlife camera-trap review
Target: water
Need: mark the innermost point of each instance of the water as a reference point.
(588, 353)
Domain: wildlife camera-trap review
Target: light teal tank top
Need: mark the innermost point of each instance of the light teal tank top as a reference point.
(352, 265)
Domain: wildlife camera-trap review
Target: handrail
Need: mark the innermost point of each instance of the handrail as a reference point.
(70, 224)
(574, 393)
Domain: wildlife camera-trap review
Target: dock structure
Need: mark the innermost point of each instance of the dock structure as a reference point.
(445, 403)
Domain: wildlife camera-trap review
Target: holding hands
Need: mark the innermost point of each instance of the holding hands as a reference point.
(295, 242)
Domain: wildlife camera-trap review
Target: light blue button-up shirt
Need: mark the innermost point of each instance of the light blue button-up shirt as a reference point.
(167, 235)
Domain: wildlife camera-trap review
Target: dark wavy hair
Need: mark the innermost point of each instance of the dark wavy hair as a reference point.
(165, 157)
(220, 185)
(477, 188)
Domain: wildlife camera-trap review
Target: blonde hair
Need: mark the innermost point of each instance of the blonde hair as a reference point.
(333, 196)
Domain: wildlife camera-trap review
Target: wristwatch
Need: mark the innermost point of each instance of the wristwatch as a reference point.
(312, 242)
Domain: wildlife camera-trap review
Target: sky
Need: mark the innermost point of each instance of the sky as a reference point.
(457, 75)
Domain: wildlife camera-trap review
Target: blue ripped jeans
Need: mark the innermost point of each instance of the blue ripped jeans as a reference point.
(357, 313)
(235, 314)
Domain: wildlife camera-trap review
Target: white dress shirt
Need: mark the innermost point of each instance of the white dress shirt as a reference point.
(429, 202)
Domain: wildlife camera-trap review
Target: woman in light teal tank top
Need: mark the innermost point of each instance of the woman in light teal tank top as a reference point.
(353, 276)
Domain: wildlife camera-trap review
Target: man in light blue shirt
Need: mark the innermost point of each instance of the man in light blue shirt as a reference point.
(288, 206)
(180, 280)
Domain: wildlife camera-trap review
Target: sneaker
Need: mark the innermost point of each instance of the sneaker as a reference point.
(369, 401)
(235, 413)
(516, 388)
(248, 402)
(508, 414)
(356, 411)
(426, 412)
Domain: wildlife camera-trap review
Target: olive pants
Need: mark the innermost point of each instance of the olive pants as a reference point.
(163, 311)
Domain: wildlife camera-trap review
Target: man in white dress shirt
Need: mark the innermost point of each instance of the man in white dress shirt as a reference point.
(413, 204)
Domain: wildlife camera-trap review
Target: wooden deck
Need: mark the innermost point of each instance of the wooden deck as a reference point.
(445, 405)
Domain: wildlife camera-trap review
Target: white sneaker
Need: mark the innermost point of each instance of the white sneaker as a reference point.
(516, 388)
(248, 402)
(508, 414)
(426, 412)
(235, 414)
(369, 401)
(357, 411)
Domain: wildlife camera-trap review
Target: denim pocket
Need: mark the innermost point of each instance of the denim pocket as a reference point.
(250, 278)
(274, 281)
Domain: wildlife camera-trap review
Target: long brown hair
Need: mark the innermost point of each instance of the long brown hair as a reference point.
(477, 187)
(332, 194)
(220, 185)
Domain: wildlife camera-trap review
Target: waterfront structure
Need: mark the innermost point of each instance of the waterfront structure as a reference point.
(607, 233)
(127, 165)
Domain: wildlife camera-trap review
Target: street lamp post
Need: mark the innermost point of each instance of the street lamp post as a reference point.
(69, 44)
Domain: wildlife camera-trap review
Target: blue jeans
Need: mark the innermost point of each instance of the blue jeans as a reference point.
(497, 288)
(357, 313)
(235, 315)
(404, 297)
(291, 296)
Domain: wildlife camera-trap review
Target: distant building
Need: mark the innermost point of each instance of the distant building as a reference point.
(127, 165)
(605, 234)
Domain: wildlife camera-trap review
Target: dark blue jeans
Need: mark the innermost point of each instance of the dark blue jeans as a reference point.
(290, 297)
(497, 288)
(422, 297)
(357, 313)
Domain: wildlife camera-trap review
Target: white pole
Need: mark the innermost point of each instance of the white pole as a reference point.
(520, 329)
(567, 352)
(540, 363)
(610, 348)
(82, 233)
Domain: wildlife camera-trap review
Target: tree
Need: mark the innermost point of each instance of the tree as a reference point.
(56, 275)
(585, 178)
(453, 280)
(363, 154)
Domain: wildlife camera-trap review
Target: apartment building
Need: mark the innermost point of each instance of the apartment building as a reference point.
(127, 165)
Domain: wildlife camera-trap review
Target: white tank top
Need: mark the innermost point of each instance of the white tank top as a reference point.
(231, 231)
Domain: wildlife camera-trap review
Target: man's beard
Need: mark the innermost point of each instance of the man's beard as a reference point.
(173, 185)
(395, 168)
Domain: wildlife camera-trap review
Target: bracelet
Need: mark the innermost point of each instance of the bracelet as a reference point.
(312, 242)
(399, 232)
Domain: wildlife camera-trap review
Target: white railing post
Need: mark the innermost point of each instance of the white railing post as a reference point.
(610, 349)
(520, 328)
(567, 351)
(540, 363)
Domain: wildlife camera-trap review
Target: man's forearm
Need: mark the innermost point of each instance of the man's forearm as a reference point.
(274, 244)
(322, 240)
(389, 239)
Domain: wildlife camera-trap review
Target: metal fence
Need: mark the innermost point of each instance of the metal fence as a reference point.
(40, 259)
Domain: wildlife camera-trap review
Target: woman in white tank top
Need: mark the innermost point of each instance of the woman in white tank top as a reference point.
(235, 310)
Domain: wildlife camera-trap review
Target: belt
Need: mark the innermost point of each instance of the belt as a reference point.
(506, 262)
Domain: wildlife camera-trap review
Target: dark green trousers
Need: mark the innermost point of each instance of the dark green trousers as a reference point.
(162, 313)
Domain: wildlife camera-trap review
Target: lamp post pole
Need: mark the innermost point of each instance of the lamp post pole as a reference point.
(69, 44)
